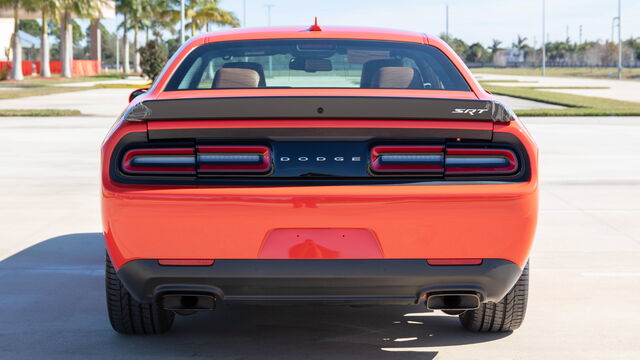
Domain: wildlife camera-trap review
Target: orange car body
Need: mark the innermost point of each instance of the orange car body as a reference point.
(440, 221)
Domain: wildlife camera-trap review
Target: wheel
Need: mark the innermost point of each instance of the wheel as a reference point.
(127, 316)
(505, 315)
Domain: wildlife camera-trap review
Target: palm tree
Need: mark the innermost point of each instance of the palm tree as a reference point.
(495, 46)
(79, 8)
(160, 18)
(135, 11)
(16, 47)
(211, 13)
(201, 13)
(521, 43)
(49, 10)
(123, 7)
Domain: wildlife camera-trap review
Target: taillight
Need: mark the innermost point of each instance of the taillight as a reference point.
(423, 159)
(160, 161)
(439, 160)
(232, 159)
(480, 161)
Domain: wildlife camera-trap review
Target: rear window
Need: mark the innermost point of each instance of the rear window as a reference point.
(321, 63)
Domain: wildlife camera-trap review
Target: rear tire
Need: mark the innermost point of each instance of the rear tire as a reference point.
(505, 315)
(127, 316)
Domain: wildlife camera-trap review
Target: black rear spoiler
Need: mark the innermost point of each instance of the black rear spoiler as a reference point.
(324, 107)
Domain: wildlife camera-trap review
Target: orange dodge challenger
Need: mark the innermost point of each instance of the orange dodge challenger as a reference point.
(317, 164)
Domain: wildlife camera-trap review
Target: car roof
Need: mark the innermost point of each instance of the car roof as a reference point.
(326, 32)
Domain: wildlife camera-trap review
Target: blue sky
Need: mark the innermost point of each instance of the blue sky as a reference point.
(471, 20)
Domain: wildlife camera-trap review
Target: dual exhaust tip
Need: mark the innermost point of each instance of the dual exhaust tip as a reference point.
(439, 301)
(453, 301)
(188, 302)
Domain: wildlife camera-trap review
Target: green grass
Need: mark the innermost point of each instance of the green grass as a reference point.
(20, 92)
(109, 75)
(37, 86)
(602, 73)
(39, 112)
(577, 105)
(40, 81)
(120, 86)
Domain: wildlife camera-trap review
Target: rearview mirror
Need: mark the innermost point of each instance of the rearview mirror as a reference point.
(310, 64)
(137, 92)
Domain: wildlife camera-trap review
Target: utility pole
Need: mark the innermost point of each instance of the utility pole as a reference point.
(181, 21)
(447, 22)
(619, 41)
(269, 6)
(580, 35)
(117, 52)
(244, 13)
(544, 40)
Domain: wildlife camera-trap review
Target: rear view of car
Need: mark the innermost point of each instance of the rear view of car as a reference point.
(317, 165)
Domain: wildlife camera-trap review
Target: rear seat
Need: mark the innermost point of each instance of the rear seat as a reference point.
(232, 78)
(397, 77)
(249, 65)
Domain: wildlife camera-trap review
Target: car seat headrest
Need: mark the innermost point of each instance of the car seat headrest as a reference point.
(232, 78)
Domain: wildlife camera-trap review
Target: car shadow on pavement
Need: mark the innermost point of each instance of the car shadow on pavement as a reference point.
(52, 301)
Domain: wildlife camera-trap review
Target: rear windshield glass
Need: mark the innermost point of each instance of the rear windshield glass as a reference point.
(316, 64)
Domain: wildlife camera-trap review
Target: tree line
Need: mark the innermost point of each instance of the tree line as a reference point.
(153, 17)
(559, 53)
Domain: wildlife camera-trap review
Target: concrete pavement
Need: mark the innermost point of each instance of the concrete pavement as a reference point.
(110, 102)
(585, 271)
(627, 90)
(94, 102)
(129, 80)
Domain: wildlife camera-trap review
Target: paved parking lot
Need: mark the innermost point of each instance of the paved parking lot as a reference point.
(628, 90)
(584, 299)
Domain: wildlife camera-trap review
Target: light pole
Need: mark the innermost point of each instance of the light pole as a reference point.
(117, 52)
(181, 21)
(580, 36)
(447, 22)
(614, 21)
(619, 41)
(244, 13)
(269, 6)
(544, 40)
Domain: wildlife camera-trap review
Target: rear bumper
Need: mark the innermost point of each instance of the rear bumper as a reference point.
(379, 281)
(488, 221)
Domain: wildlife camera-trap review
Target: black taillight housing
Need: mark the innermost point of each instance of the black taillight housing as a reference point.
(207, 159)
(160, 161)
(454, 160)
(407, 159)
(234, 159)
(480, 161)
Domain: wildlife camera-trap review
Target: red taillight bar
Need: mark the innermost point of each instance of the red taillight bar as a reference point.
(435, 159)
(441, 262)
(407, 159)
(234, 159)
(477, 161)
(160, 161)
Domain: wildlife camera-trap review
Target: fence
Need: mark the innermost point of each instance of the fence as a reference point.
(78, 67)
